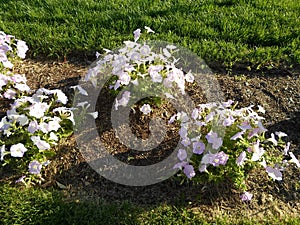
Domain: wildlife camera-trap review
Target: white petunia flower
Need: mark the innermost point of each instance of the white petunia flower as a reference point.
(280, 134)
(64, 110)
(61, 97)
(94, 114)
(17, 150)
(149, 30)
(294, 159)
(84, 104)
(189, 77)
(22, 119)
(22, 87)
(53, 125)
(7, 64)
(38, 109)
(80, 89)
(123, 101)
(261, 109)
(21, 49)
(2, 152)
(53, 136)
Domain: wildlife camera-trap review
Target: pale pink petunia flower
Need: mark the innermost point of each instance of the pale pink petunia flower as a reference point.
(61, 97)
(261, 127)
(241, 159)
(123, 101)
(203, 168)
(137, 34)
(33, 126)
(167, 53)
(54, 124)
(228, 121)
(22, 87)
(41, 144)
(7, 64)
(35, 167)
(257, 151)
(181, 155)
(20, 180)
(246, 196)
(227, 104)
(156, 77)
(245, 126)
(94, 114)
(237, 135)
(172, 119)
(9, 94)
(146, 109)
(253, 133)
(198, 147)
(145, 50)
(186, 142)
(189, 171)
(80, 89)
(195, 114)
(219, 158)
(274, 173)
(210, 117)
(124, 78)
(183, 132)
(179, 165)
(213, 138)
(2, 152)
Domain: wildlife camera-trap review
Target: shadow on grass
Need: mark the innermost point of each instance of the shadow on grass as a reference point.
(39, 206)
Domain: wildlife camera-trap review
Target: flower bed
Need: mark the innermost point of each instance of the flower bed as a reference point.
(217, 140)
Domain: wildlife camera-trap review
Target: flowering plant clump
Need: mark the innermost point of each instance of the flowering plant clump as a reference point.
(138, 64)
(32, 126)
(221, 141)
(12, 85)
(36, 120)
(11, 49)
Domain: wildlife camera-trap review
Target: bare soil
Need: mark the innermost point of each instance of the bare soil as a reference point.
(277, 90)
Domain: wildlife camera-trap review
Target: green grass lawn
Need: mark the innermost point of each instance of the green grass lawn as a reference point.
(223, 31)
(40, 206)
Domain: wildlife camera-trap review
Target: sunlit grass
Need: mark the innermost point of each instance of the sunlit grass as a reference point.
(223, 31)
